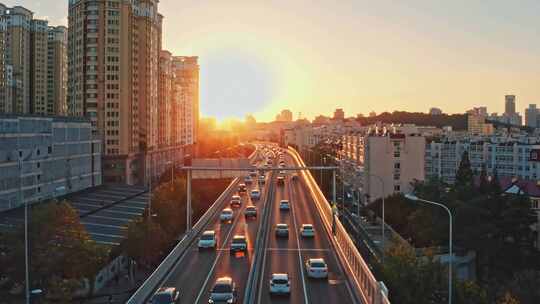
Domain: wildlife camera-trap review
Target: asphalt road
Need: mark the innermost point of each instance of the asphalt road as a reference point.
(196, 273)
(289, 255)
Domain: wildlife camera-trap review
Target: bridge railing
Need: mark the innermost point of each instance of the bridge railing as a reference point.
(366, 286)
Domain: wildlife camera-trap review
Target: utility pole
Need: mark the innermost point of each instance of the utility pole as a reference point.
(188, 207)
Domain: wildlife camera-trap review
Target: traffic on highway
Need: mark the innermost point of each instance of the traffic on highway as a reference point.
(298, 262)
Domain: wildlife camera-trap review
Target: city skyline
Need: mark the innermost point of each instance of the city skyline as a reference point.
(383, 69)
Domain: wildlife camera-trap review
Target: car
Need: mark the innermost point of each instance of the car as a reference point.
(280, 284)
(248, 180)
(317, 268)
(282, 230)
(239, 243)
(226, 215)
(255, 194)
(236, 201)
(282, 172)
(251, 211)
(242, 188)
(223, 291)
(208, 239)
(281, 180)
(253, 173)
(262, 179)
(294, 176)
(307, 230)
(284, 205)
(166, 295)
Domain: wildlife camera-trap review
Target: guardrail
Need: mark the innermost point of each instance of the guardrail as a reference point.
(147, 289)
(367, 287)
(262, 236)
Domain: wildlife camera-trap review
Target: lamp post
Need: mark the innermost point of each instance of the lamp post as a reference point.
(413, 197)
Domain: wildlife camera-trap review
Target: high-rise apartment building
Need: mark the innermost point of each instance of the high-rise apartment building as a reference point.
(57, 70)
(339, 114)
(186, 70)
(532, 116)
(17, 55)
(165, 100)
(113, 49)
(26, 65)
(510, 104)
(142, 101)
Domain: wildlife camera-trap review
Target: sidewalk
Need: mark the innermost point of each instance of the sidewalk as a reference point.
(120, 291)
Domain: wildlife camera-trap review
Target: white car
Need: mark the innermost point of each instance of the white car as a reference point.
(255, 194)
(307, 230)
(280, 284)
(208, 239)
(262, 179)
(284, 205)
(236, 201)
(226, 215)
(224, 291)
(317, 268)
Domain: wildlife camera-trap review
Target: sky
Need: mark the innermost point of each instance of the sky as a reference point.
(312, 56)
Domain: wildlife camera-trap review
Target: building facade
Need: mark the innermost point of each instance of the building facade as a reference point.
(141, 100)
(57, 74)
(44, 157)
(504, 156)
(532, 116)
(28, 70)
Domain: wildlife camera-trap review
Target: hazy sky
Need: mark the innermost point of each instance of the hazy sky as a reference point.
(311, 56)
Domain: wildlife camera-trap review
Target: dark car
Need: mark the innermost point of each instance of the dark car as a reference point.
(224, 291)
(166, 295)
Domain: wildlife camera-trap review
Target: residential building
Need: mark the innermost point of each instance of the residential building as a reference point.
(509, 104)
(532, 116)
(186, 72)
(285, 116)
(506, 156)
(393, 155)
(44, 157)
(435, 111)
(32, 55)
(116, 63)
(18, 52)
(57, 73)
(476, 122)
(339, 114)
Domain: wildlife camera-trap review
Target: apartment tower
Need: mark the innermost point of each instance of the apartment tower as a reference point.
(113, 50)
(186, 70)
(57, 70)
(27, 71)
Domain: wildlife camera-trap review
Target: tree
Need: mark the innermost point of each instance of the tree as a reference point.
(508, 298)
(61, 252)
(464, 175)
(145, 241)
(468, 292)
(483, 186)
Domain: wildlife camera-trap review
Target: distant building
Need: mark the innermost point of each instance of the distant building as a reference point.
(359, 116)
(372, 114)
(532, 116)
(509, 104)
(321, 120)
(59, 155)
(339, 114)
(435, 111)
(250, 120)
(285, 116)
(509, 157)
(476, 122)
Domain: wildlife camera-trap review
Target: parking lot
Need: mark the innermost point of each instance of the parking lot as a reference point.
(105, 211)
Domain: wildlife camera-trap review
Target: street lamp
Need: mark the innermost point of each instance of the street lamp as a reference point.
(413, 197)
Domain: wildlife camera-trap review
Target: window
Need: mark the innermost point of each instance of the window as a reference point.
(397, 176)
(38, 152)
(49, 149)
(397, 154)
(397, 188)
(397, 165)
(38, 164)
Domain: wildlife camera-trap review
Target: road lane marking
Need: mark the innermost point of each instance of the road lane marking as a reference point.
(306, 301)
(211, 272)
